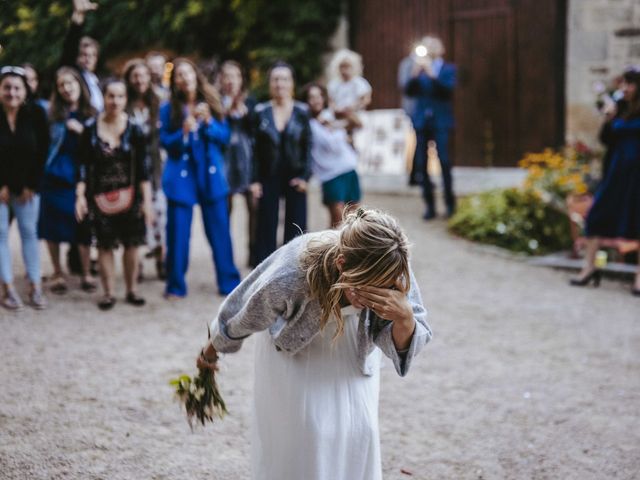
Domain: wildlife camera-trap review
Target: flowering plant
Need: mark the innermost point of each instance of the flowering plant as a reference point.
(554, 175)
(200, 396)
(531, 219)
(512, 218)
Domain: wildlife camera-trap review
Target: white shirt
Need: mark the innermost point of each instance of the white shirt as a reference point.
(347, 94)
(331, 154)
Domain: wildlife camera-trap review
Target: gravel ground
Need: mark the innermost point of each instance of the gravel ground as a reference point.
(526, 377)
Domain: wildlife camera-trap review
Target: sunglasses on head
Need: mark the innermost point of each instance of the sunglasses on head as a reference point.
(10, 70)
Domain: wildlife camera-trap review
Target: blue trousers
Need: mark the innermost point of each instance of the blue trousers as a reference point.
(295, 216)
(215, 217)
(27, 217)
(441, 137)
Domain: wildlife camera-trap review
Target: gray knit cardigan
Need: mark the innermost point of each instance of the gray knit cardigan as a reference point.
(275, 296)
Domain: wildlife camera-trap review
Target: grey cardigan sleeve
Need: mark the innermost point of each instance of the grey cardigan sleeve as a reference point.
(252, 307)
(258, 301)
(382, 336)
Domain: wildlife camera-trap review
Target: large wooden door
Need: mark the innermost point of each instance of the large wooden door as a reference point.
(511, 60)
(485, 103)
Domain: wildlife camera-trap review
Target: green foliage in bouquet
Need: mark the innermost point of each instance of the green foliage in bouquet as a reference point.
(200, 397)
(515, 219)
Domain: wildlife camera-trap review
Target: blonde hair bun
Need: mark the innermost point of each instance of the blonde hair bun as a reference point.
(375, 251)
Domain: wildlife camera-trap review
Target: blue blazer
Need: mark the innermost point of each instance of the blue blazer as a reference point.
(194, 171)
(429, 100)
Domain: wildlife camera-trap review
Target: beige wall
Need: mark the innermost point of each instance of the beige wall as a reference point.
(603, 38)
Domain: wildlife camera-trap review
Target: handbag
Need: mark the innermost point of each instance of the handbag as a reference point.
(115, 201)
(120, 200)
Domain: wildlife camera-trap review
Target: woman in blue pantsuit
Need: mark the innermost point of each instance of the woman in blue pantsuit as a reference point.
(193, 133)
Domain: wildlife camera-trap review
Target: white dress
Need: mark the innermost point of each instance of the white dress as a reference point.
(315, 413)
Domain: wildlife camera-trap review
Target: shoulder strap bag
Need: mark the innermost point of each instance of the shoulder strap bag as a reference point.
(120, 200)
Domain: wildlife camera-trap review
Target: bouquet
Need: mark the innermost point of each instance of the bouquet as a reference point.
(200, 396)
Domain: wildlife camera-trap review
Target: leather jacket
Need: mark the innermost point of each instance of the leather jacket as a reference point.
(288, 151)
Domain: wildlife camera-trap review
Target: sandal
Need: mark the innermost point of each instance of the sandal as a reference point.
(58, 285)
(11, 300)
(37, 299)
(106, 303)
(88, 286)
(135, 300)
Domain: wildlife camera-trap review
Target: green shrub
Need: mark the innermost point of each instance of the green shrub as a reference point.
(254, 32)
(517, 220)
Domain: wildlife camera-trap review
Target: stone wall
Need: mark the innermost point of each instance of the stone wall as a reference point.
(603, 38)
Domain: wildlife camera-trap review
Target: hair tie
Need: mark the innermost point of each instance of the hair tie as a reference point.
(360, 212)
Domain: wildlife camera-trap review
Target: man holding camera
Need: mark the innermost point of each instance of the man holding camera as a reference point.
(427, 84)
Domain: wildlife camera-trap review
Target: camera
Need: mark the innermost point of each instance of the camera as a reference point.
(421, 51)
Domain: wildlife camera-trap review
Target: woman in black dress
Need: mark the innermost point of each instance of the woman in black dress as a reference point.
(115, 190)
(615, 212)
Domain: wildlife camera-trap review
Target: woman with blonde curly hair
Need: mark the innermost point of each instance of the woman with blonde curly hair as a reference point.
(325, 306)
(349, 92)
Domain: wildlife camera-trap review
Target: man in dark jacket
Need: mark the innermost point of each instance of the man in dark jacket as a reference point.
(427, 83)
(81, 52)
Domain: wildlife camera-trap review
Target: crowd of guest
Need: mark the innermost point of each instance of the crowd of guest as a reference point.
(122, 161)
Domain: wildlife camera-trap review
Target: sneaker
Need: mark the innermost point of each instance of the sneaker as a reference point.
(37, 299)
(12, 300)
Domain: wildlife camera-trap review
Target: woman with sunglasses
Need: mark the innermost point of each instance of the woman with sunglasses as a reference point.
(24, 140)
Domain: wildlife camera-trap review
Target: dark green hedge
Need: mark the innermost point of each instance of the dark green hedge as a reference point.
(256, 32)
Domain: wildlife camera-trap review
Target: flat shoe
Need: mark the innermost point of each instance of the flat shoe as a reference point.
(106, 303)
(135, 300)
(635, 292)
(58, 286)
(12, 301)
(38, 300)
(172, 297)
(88, 287)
